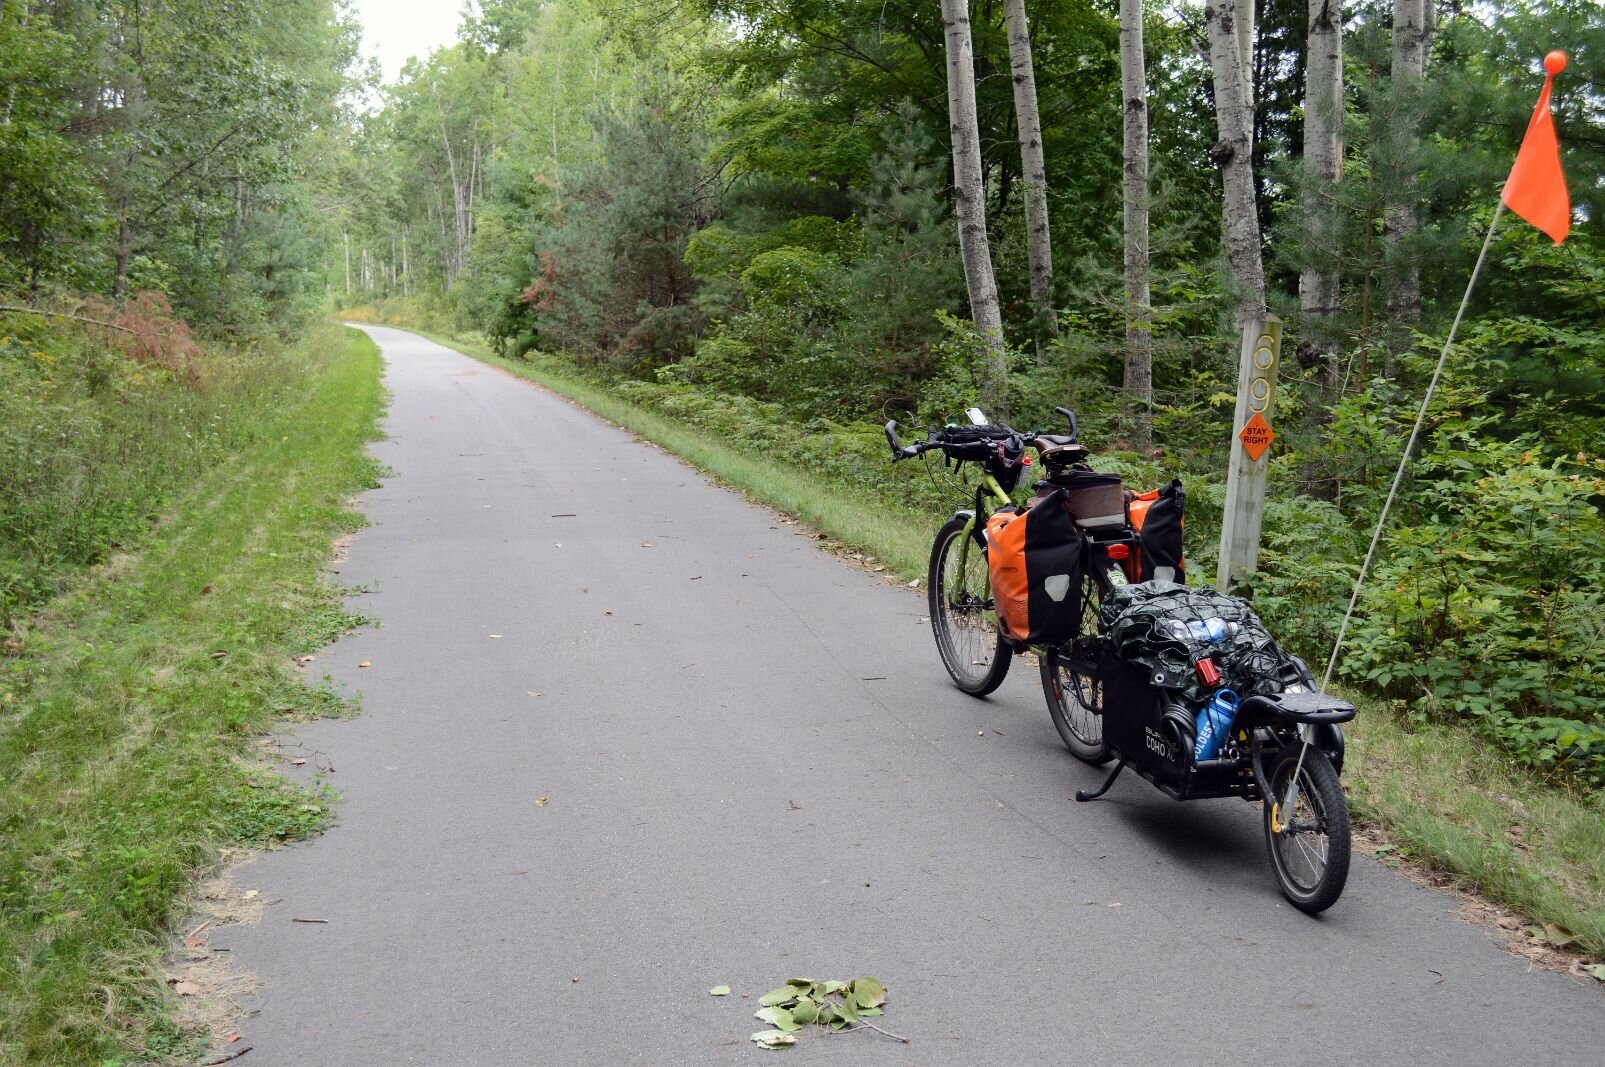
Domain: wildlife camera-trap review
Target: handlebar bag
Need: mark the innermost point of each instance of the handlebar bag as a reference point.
(1034, 557)
(1156, 516)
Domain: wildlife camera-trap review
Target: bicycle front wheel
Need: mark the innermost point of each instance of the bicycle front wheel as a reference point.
(963, 615)
(1309, 844)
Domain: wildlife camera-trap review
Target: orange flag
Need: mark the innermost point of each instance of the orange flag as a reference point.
(1536, 188)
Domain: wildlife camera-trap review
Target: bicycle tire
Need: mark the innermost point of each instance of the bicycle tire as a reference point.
(1309, 847)
(963, 619)
(1075, 700)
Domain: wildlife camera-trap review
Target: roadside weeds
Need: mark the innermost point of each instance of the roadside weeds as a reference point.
(128, 760)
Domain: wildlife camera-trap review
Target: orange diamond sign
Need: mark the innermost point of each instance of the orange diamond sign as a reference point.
(1256, 436)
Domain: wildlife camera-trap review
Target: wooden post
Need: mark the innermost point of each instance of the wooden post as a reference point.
(1251, 438)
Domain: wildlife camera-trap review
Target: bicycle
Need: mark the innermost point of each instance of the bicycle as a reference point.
(975, 651)
(1284, 749)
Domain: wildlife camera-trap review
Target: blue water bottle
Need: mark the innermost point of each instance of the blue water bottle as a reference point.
(1214, 724)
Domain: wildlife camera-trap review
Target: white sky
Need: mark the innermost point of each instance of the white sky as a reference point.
(393, 30)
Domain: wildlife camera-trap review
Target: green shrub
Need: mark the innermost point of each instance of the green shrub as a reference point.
(1492, 608)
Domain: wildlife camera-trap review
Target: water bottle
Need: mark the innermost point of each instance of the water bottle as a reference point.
(1214, 724)
(1209, 631)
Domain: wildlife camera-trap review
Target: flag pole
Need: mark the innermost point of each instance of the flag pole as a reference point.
(1404, 460)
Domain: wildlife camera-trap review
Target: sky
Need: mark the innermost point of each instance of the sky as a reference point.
(393, 30)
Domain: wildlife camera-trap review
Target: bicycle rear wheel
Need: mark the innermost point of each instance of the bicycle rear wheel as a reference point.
(1075, 704)
(963, 616)
(1309, 845)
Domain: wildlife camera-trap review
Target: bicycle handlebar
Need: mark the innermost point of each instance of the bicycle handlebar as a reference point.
(975, 443)
(898, 451)
(1075, 432)
(967, 442)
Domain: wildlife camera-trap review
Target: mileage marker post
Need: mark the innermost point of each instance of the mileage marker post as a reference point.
(1251, 441)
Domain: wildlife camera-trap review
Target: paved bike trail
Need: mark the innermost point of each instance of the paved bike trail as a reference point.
(626, 737)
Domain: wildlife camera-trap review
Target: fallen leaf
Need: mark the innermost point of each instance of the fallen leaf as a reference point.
(533, 692)
(792, 805)
(1596, 969)
(495, 637)
(719, 991)
(776, 996)
(540, 801)
(232, 1038)
(869, 992)
(194, 942)
(186, 989)
(251, 894)
(219, 654)
(1558, 935)
(778, 1016)
(774, 1039)
(646, 544)
(297, 762)
(365, 663)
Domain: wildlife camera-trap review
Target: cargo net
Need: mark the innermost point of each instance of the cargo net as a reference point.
(1169, 627)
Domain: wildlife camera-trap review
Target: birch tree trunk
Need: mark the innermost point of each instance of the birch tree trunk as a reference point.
(1138, 397)
(969, 195)
(1039, 242)
(1323, 161)
(1233, 153)
(1412, 32)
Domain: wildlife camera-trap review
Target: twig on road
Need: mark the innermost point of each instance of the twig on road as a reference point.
(230, 1056)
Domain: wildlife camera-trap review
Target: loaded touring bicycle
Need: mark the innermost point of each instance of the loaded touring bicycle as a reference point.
(1180, 683)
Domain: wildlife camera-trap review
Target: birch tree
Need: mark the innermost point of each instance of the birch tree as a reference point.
(1412, 33)
(969, 195)
(1139, 376)
(1233, 151)
(1323, 161)
(1039, 242)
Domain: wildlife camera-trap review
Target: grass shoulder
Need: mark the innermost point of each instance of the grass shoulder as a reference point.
(130, 708)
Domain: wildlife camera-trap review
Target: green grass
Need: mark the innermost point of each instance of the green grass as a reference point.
(1442, 798)
(128, 719)
(1446, 800)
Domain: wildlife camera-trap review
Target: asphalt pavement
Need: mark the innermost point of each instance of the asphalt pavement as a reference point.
(626, 737)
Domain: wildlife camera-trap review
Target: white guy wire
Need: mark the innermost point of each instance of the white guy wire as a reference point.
(1404, 460)
(1291, 797)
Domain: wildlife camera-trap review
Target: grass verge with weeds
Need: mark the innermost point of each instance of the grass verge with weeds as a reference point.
(1442, 799)
(128, 708)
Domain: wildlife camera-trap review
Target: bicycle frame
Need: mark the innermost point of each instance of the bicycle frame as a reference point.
(987, 487)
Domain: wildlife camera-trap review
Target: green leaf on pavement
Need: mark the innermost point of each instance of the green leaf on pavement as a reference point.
(777, 1017)
(774, 1039)
(719, 991)
(805, 1012)
(777, 996)
(869, 992)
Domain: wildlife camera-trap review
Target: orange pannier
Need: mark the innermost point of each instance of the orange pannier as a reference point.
(1034, 558)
